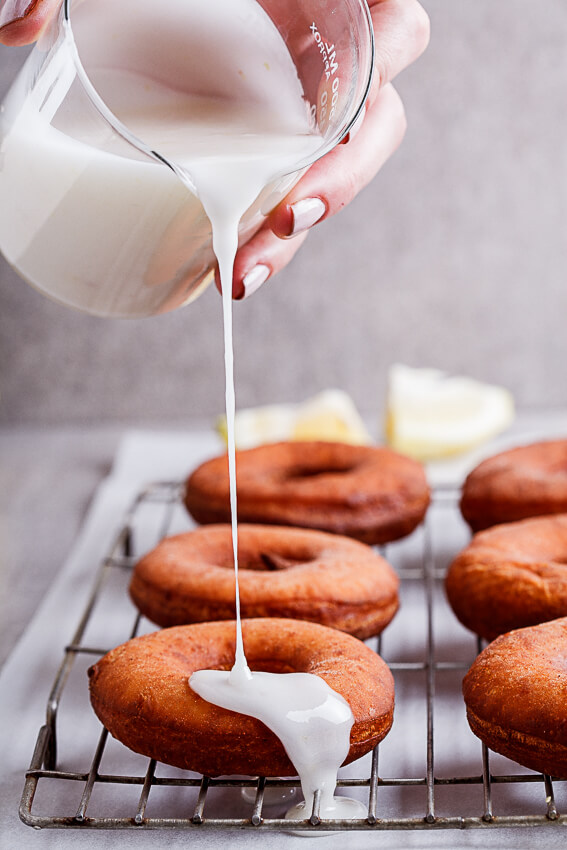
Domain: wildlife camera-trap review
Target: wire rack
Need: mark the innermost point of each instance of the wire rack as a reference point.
(429, 773)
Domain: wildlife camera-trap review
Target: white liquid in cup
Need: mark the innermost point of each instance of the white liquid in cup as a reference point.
(97, 226)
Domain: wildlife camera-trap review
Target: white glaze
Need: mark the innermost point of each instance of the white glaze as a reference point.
(311, 720)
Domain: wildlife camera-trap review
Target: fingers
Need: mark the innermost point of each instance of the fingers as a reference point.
(259, 259)
(327, 187)
(401, 29)
(22, 21)
(336, 179)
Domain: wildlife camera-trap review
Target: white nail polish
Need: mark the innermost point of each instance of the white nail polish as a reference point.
(306, 213)
(255, 278)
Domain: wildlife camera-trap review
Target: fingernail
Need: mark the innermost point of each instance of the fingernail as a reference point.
(255, 278)
(13, 10)
(306, 213)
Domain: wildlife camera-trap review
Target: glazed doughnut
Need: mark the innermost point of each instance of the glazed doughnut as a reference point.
(511, 576)
(515, 697)
(140, 692)
(519, 483)
(282, 572)
(370, 493)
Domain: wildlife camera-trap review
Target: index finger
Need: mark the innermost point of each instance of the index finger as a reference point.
(401, 31)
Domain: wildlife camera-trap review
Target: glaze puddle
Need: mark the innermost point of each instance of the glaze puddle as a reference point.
(310, 719)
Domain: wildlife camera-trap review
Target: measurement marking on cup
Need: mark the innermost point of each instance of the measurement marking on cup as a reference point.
(331, 66)
(327, 50)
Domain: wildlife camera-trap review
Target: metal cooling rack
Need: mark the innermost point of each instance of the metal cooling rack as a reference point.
(97, 783)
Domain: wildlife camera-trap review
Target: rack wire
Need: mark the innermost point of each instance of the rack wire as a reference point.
(444, 778)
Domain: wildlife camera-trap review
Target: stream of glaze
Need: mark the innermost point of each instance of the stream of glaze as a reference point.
(312, 721)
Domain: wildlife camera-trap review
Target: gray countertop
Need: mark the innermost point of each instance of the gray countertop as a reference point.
(48, 479)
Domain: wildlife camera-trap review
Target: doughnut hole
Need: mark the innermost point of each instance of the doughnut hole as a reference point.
(299, 472)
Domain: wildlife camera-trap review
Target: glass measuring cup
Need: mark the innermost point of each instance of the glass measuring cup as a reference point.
(92, 210)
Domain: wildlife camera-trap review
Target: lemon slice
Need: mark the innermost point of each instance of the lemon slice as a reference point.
(331, 416)
(258, 425)
(430, 415)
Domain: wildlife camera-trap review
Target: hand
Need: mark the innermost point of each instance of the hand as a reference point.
(401, 29)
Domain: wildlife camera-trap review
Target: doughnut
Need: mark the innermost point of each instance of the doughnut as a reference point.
(516, 484)
(367, 492)
(515, 693)
(140, 692)
(511, 576)
(282, 572)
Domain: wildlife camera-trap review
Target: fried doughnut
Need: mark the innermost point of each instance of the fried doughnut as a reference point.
(370, 493)
(511, 576)
(282, 572)
(515, 697)
(519, 483)
(140, 692)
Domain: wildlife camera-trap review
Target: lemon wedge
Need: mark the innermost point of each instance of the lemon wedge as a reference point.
(255, 426)
(330, 416)
(430, 415)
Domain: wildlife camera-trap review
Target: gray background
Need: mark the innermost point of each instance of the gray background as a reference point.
(454, 257)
